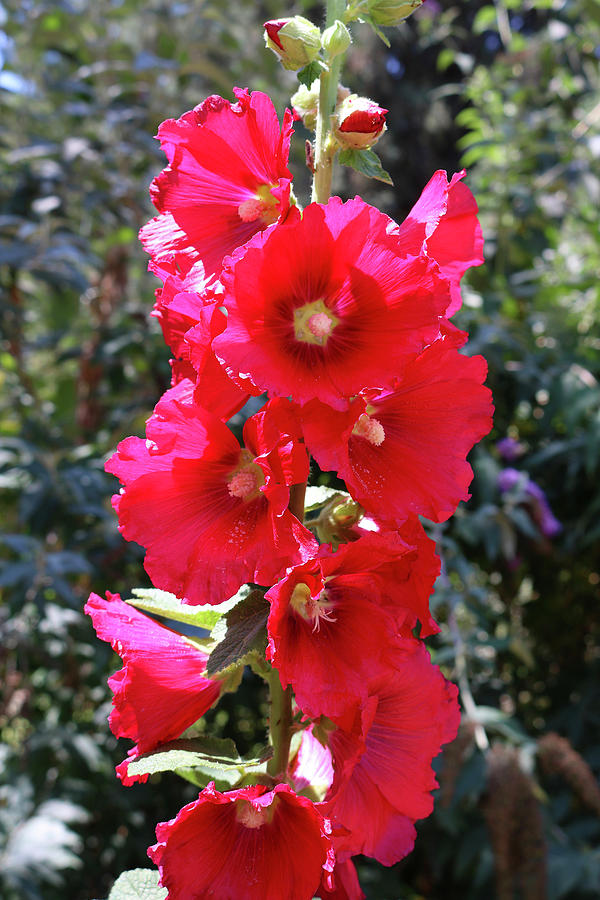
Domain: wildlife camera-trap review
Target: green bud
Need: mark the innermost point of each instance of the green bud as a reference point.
(391, 12)
(336, 39)
(296, 41)
(305, 103)
(337, 520)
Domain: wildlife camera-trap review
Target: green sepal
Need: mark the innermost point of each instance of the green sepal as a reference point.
(367, 162)
(367, 20)
(240, 633)
(138, 884)
(311, 72)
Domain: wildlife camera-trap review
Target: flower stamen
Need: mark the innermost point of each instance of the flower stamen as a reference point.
(246, 480)
(369, 428)
(312, 609)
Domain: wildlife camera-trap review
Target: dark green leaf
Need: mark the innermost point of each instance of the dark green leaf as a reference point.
(311, 72)
(239, 632)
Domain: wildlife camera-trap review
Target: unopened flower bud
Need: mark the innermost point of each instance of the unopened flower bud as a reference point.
(296, 41)
(391, 12)
(305, 103)
(336, 39)
(359, 122)
(338, 520)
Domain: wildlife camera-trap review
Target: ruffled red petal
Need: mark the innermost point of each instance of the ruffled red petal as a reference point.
(162, 688)
(342, 883)
(248, 844)
(445, 219)
(407, 720)
(415, 463)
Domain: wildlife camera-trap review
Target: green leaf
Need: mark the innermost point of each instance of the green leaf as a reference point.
(367, 20)
(203, 751)
(161, 603)
(241, 631)
(367, 162)
(138, 884)
(311, 72)
(200, 760)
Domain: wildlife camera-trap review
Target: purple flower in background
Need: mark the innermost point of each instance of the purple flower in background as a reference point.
(533, 495)
(510, 449)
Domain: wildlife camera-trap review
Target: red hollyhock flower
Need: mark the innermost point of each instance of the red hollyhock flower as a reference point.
(382, 761)
(334, 621)
(383, 776)
(210, 514)
(162, 688)
(445, 218)
(249, 844)
(327, 303)
(227, 178)
(403, 452)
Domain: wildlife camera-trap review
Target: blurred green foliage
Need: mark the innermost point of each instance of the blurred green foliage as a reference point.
(511, 90)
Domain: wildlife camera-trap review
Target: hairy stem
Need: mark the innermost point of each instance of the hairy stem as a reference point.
(324, 148)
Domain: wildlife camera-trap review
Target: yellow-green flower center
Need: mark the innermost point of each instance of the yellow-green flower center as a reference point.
(314, 323)
(246, 479)
(263, 205)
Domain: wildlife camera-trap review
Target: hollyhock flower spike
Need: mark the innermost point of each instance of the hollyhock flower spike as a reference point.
(227, 179)
(162, 688)
(444, 218)
(342, 317)
(249, 844)
(211, 515)
(327, 303)
(403, 451)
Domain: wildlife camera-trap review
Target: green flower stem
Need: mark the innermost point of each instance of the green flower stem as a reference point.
(280, 718)
(324, 147)
(280, 726)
